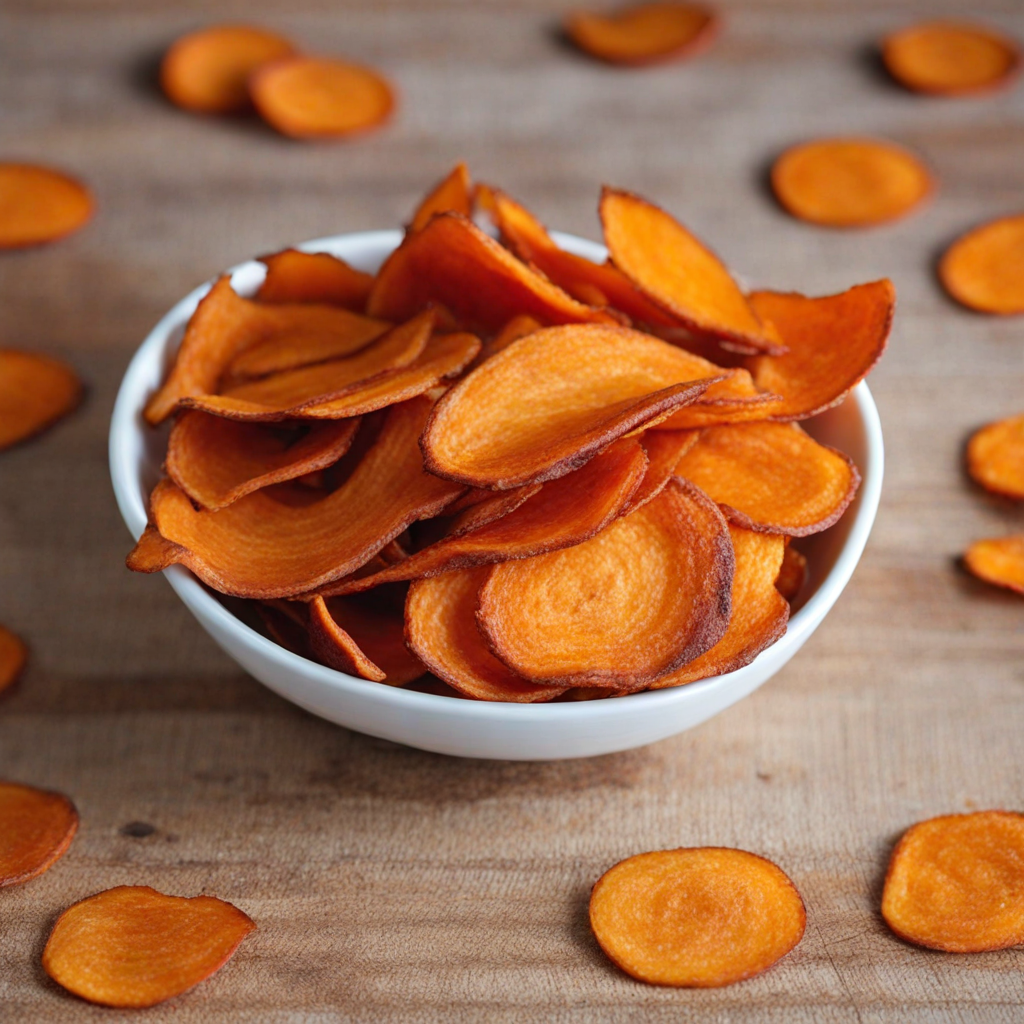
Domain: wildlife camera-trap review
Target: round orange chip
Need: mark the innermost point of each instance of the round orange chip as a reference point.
(984, 269)
(36, 828)
(644, 34)
(39, 205)
(311, 97)
(35, 392)
(698, 918)
(208, 71)
(950, 58)
(999, 561)
(849, 183)
(133, 946)
(995, 457)
(957, 883)
(13, 655)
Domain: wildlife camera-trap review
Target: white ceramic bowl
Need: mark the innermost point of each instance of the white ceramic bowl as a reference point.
(468, 728)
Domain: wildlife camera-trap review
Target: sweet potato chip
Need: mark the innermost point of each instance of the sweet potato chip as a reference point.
(647, 594)
(35, 392)
(565, 512)
(294, 276)
(995, 457)
(584, 386)
(850, 183)
(833, 342)
(364, 638)
(950, 58)
(999, 561)
(956, 883)
(132, 946)
(664, 450)
(453, 262)
(277, 543)
(453, 194)
(772, 477)
(647, 33)
(13, 655)
(984, 269)
(440, 627)
(208, 71)
(678, 273)
(793, 575)
(734, 399)
(315, 98)
(36, 828)
(518, 327)
(759, 611)
(39, 205)
(698, 918)
(216, 461)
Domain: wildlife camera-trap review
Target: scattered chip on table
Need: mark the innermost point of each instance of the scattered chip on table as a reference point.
(39, 205)
(984, 269)
(36, 829)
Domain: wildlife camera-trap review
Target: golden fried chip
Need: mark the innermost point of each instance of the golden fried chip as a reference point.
(453, 194)
(132, 946)
(698, 918)
(647, 594)
(294, 276)
(999, 561)
(995, 457)
(664, 449)
(772, 477)
(984, 269)
(957, 883)
(13, 655)
(518, 327)
(36, 828)
(792, 576)
(39, 205)
(35, 392)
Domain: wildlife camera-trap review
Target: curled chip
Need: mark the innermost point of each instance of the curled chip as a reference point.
(573, 617)
(36, 828)
(518, 327)
(793, 574)
(294, 276)
(440, 626)
(584, 385)
(956, 883)
(647, 33)
(984, 269)
(833, 342)
(679, 274)
(995, 457)
(39, 205)
(950, 58)
(664, 449)
(772, 477)
(849, 183)
(698, 918)
(35, 392)
(453, 194)
(312, 97)
(999, 561)
(759, 611)
(208, 71)
(134, 947)
(13, 655)
(216, 461)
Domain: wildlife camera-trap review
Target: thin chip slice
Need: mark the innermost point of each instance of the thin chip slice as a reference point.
(39, 205)
(951, 58)
(363, 637)
(454, 193)
(999, 561)
(132, 946)
(13, 656)
(216, 461)
(833, 343)
(664, 449)
(697, 918)
(315, 98)
(995, 457)
(518, 327)
(792, 576)
(35, 392)
(440, 627)
(277, 542)
(679, 274)
(208, 71)
(564, 512)
(294, 276)
(584, 386)
(453, 262)
(759, 611)
(647, 33)
(735, 399)
(36, 828)
(956, 883)
(772, 477)
(647, 594)
(984, 269)
(850, 183)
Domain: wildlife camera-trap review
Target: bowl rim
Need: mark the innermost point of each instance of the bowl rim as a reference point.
(127, 421)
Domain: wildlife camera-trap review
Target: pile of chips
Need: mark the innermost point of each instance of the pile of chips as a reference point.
(507, 465)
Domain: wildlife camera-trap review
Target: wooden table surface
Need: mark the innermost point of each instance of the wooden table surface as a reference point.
(391, 884)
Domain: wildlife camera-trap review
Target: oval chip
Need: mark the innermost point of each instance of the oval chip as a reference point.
(984, 269)
(35, 392)
(36, 828)
(294, 276)
(999, 561)
(40, 205)
(995, 457)
(454, 193)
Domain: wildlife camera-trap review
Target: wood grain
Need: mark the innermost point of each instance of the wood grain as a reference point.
(390, 884)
